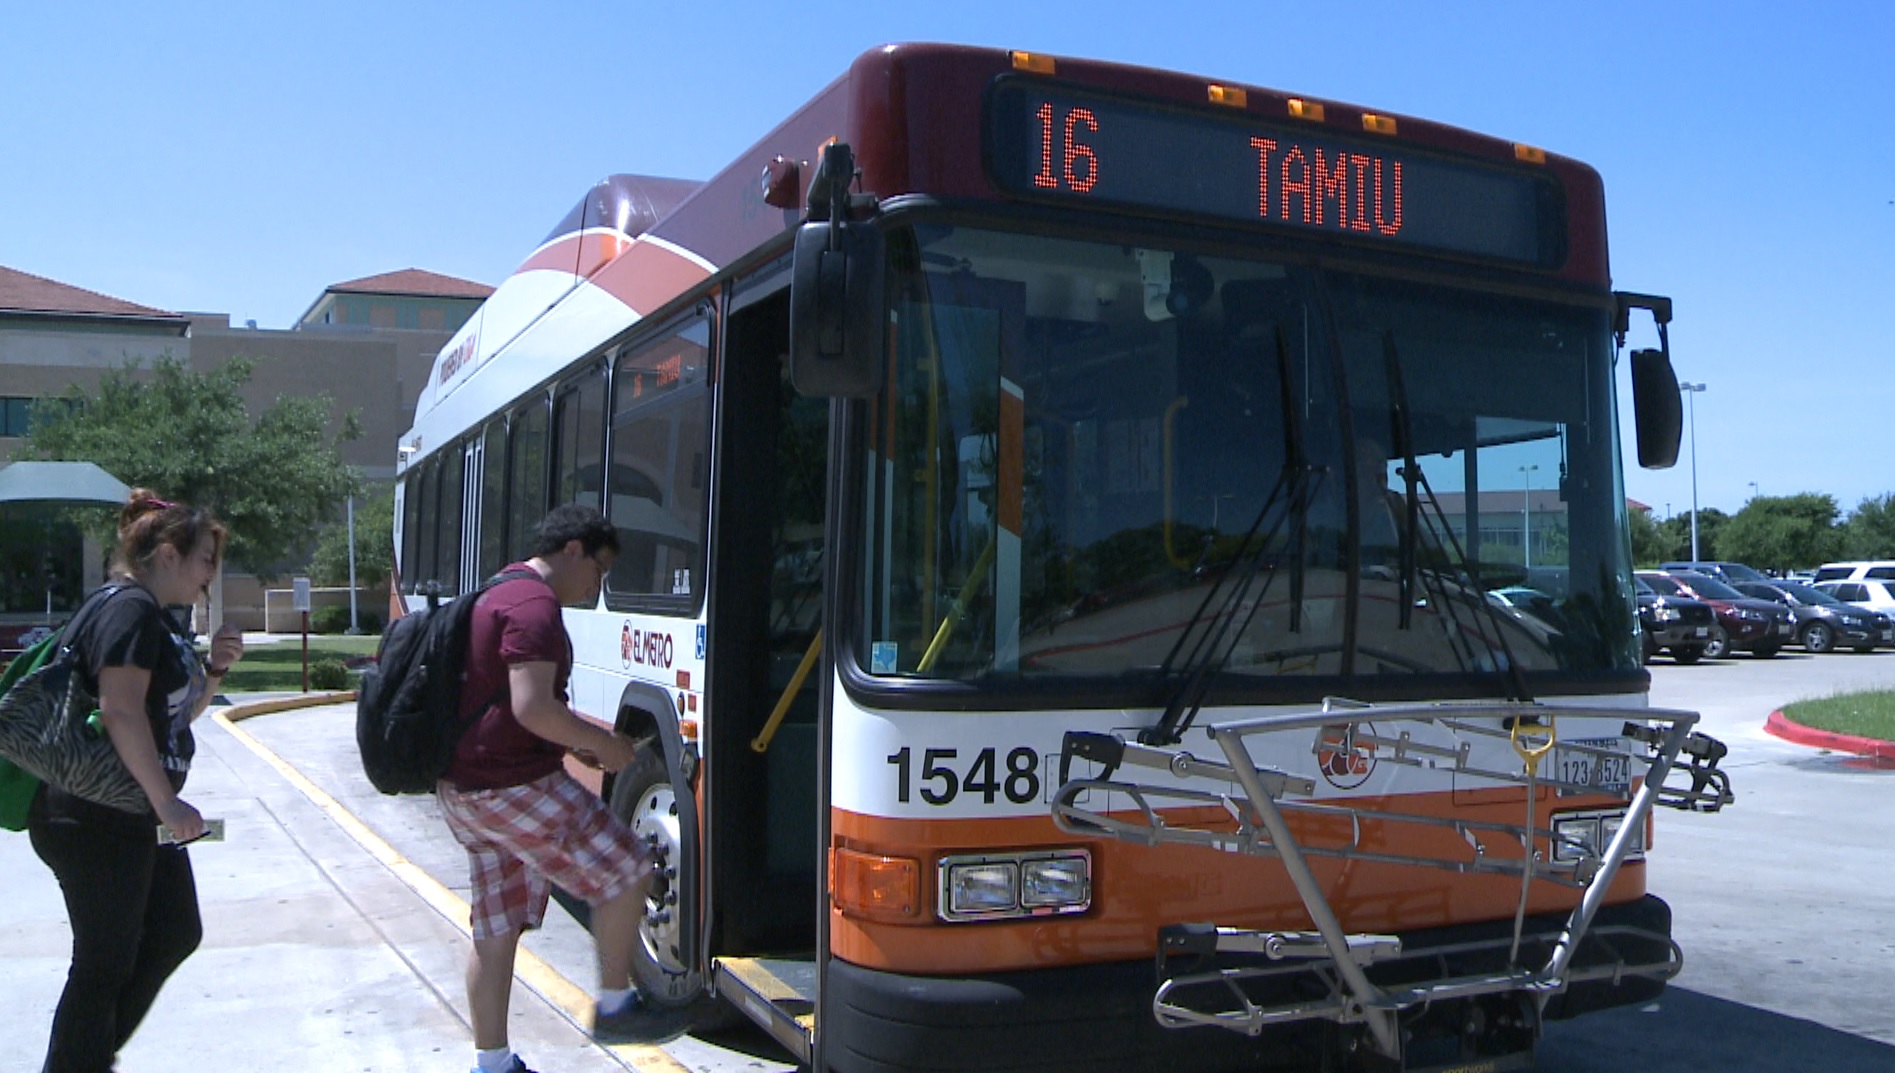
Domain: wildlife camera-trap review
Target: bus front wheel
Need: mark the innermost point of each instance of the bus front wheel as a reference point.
(644, 797)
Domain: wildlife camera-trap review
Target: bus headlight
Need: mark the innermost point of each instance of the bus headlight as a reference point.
(1581, 835)
(1055, 882)
(996, 886)
(1575, 838)
(983, 888)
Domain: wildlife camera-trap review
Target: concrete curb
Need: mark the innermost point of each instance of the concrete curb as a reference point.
(237, 713)
(1789, 730)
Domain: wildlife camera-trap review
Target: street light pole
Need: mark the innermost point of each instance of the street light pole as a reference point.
(355, 628)
(1690, 398)
(1526, 516)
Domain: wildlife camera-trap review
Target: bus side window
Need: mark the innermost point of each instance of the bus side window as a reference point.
(410, 528)
(526, 472)
(656, 491)
(448, 532)
(427, 523)
(579, 440)
(493, 500)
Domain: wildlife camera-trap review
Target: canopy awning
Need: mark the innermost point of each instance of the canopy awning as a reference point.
(57, 482)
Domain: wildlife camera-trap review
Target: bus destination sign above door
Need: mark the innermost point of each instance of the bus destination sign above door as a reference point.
(1055, 143)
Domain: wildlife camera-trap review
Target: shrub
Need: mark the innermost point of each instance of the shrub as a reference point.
(328, 674)
(336, 620)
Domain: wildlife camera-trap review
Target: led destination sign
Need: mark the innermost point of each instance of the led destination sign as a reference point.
(1058, 143)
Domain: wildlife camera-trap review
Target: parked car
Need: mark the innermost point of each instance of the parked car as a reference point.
(1859, 570)
(1677, 625)
(1728, 573)
(1874, 595)
(1758, 627)
(1824, 623)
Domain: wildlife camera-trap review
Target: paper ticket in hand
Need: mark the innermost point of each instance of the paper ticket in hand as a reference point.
(213, 832)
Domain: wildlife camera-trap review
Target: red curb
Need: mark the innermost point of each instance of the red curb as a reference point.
(1789, 730)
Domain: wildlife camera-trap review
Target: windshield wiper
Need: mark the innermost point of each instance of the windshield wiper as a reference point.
(1218, 639)
(1415, 489)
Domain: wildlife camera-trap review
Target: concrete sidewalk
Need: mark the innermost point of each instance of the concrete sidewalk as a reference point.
(317, 955)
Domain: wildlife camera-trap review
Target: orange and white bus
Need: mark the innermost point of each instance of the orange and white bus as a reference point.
(1121, 571)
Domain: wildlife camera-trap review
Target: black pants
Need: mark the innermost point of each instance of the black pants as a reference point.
(133, 907)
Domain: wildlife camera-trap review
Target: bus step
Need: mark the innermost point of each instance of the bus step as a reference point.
(777, 993)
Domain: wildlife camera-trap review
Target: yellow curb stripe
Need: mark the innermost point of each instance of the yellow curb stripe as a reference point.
(571, 999)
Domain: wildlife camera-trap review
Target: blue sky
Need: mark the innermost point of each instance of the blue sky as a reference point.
(239, 157)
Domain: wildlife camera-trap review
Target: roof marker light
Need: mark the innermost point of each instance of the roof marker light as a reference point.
(1378, 124)
(1230, 96)
(1528, 154)
(1032, 62)
(1302, 109)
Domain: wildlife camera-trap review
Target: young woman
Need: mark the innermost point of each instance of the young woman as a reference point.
(133, 902)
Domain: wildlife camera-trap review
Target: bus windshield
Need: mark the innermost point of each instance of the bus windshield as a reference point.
(1095, 459)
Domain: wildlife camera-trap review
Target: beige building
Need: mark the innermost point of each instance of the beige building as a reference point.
(366, 343)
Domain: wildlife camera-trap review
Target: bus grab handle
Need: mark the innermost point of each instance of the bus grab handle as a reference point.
(761, 743)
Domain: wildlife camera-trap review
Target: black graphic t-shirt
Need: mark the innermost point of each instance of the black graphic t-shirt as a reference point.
(129, 628)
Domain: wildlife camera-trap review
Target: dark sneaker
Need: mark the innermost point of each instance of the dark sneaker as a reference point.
(639, 1021)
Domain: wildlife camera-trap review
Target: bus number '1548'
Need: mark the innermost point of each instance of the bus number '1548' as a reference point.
(941, 779)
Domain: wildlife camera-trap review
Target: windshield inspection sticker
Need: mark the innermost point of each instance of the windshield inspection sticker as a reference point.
(882, 657)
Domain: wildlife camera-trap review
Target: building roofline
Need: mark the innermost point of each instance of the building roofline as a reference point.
(181, 324)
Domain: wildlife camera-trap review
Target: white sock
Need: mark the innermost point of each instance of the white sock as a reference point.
(498, 1060)
(613, 999)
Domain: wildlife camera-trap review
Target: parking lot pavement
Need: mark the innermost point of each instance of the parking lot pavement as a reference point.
(317, 954)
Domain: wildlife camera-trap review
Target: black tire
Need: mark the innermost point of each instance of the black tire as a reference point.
(1719, 645)
(1646, 649)
(1766, 652)
(643, 797)
(1818, 637)
(1865, 649)
(1687, 653)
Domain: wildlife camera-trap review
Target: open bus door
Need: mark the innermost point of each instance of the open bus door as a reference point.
(764, 805)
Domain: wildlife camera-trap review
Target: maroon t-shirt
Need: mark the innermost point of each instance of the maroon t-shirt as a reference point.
(514, 622)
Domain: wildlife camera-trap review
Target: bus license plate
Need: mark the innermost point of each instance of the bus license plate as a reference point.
(1609, 774)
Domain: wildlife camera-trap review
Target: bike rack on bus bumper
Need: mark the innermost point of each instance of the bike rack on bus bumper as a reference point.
(1254, 823)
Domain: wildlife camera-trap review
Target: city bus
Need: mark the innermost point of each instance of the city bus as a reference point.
(1119, 570)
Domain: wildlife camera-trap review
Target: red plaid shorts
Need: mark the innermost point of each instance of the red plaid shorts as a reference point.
(522, 839)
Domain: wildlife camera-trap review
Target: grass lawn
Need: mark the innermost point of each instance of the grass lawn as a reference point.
(273, 668)
(1866, 715)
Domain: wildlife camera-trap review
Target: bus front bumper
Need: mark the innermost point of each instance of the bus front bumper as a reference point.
(1092, 1017)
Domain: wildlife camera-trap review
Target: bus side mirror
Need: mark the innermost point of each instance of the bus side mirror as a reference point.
(1658, 411)
(836, 314)
(836, 291)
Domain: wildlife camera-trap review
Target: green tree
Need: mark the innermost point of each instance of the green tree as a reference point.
(1677, 529)
(1782, 532)
(1870, 530)
(374, 543)
(187, 434)
(1649, 544)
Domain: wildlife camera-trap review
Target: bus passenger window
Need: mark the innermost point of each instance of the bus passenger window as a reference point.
(410, 528)
(655, 489)
(493, 499)
(427, 521)
(448, 531)
(579, 441)
(526, 473)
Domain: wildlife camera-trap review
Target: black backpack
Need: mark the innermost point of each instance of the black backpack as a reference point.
(407, 709)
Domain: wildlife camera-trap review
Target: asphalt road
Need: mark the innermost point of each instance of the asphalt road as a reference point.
(1784, 903)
